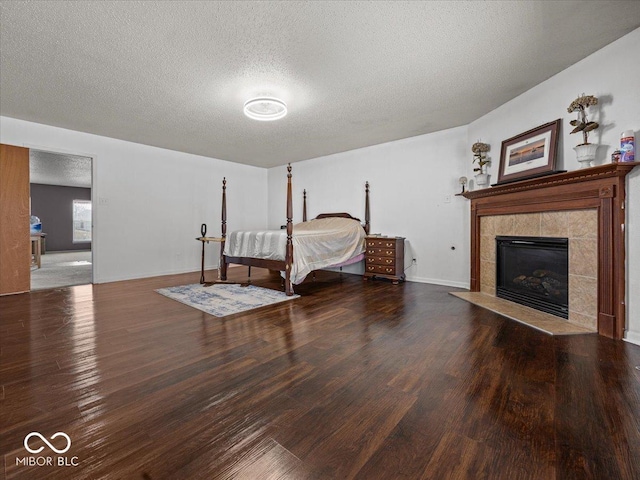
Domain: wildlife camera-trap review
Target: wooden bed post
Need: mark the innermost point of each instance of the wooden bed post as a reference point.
(304, 205)
(223, 264)
(366, 208)
(289, 254)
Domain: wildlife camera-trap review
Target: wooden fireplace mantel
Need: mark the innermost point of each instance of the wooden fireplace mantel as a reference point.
(602, 188)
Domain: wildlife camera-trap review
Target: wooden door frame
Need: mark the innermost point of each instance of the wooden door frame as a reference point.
(94, 197)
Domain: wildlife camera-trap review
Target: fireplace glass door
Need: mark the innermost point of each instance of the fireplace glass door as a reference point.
(534, 271)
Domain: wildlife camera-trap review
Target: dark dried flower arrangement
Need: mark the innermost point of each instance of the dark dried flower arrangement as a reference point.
(581, 124)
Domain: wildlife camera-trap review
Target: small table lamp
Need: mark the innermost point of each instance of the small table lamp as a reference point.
(463, 182)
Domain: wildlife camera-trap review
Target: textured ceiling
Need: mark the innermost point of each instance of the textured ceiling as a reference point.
(176, 74)
(57, 169)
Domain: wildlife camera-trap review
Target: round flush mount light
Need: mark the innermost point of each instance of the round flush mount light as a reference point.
(265, 109)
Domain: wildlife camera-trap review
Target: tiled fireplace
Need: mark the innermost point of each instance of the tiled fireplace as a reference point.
(587, 207)
(579, 226)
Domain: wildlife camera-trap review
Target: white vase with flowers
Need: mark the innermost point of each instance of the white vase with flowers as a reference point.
(585, 152)
(480, 150)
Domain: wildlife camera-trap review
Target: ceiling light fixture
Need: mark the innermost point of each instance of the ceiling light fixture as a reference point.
(265, 109)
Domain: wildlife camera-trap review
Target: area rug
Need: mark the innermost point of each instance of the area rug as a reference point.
(221, 300)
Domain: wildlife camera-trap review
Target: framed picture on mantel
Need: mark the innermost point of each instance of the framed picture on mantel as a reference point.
(530, 154)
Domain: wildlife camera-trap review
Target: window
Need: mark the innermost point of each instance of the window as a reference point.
(81, 221)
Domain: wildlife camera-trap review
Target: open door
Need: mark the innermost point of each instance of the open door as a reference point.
(15, 244)
(60, 189)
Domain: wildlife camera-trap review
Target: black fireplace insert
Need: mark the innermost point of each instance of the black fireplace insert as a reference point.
(534, 271)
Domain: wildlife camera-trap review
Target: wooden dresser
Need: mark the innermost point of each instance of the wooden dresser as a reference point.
(384, 257)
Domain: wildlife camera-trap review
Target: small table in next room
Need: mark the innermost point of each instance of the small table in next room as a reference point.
(384, 257)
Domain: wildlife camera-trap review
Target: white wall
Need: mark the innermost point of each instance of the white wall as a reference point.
(613, 75)
(149, 202)
(409, 181)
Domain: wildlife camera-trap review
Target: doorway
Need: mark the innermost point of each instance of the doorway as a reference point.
(61, 215)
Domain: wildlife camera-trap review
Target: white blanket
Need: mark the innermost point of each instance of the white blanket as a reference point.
(316, 244)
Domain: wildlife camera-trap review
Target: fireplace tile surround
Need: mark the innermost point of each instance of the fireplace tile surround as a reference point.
(579, 226)
(586, 206)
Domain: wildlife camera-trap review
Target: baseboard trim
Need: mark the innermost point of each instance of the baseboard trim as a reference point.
(434, 281)
(150, 275)
(158, 274)
(632, 337)
(439, 281)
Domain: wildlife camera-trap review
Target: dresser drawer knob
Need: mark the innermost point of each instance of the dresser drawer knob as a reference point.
(389, 252)
(389, 261)
(389, 270)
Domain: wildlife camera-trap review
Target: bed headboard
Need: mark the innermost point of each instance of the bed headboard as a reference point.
(343, 214)
(339, 215)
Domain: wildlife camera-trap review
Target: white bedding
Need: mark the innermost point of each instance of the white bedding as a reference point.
(316, 244)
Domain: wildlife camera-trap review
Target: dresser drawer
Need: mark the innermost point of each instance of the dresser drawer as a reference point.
(381, 252)
(381, 243)
(387, 261)
(384, 257)
(380, 269)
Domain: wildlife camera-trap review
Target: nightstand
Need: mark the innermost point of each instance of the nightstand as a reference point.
(384, 257)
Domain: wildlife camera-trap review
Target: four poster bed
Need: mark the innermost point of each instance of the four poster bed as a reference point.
(329, 240)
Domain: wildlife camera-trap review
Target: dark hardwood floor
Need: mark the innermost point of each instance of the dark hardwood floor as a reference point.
(354, 379)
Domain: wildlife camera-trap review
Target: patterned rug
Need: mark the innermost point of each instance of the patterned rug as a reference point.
(221, 300)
